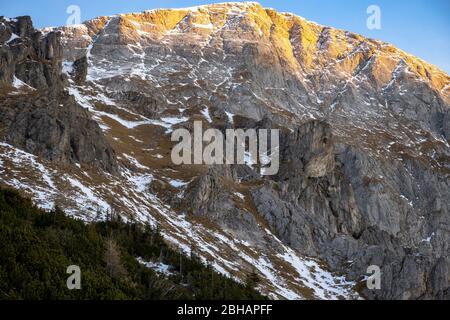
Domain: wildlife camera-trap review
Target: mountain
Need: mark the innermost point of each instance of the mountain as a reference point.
(86, 119)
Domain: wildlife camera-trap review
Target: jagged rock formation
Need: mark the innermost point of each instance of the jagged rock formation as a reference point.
(41, 118)
(364, 171)
(33, 59)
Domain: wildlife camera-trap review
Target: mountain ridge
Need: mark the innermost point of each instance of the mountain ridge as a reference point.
(129, 20)
(365, 146)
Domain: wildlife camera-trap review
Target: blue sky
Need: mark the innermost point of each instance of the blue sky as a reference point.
(421, 27)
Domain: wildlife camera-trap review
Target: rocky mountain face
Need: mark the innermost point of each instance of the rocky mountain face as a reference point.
(87, 113)
(39, 116)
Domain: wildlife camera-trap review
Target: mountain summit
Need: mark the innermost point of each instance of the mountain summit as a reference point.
(87, 112)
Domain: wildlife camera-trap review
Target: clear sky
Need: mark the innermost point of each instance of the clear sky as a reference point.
(421, 27)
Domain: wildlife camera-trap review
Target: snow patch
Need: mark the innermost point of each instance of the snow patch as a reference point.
(13, 37)
(159, 267)
(177, 183)
(230, 117)
(91, 197)
(205, 113)
(19, 84)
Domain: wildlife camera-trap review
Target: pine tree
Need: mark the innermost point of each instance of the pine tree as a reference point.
(252, 280)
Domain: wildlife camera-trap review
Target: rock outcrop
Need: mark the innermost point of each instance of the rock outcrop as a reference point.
(41, 117)
(28, 55)
(355, 214)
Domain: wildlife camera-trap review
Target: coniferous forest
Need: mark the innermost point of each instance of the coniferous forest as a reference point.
(37, 246)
